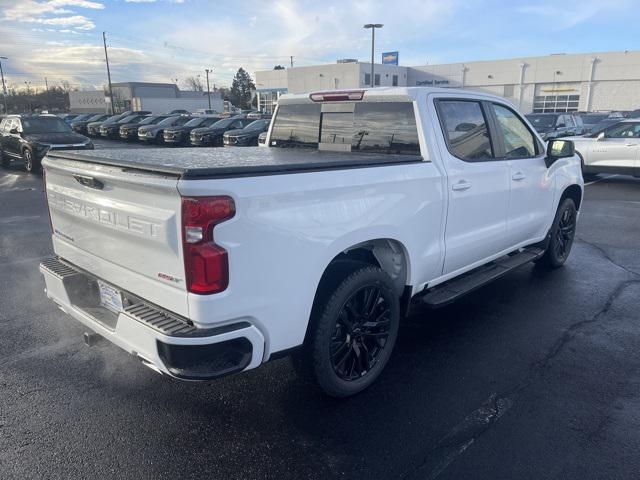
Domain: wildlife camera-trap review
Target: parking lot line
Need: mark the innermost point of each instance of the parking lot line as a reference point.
(601, 179)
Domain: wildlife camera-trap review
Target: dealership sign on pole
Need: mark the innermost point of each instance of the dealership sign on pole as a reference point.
(390, 58)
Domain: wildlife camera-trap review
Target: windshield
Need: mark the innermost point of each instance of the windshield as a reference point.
(77, 118)
(44, 125)
(130, 119)
(542, 120)
(96, 118)
(112, 119)
(593, 119)
(200, 122)
(153, 120)
(257, 125)
(224, 123)
(167, 122)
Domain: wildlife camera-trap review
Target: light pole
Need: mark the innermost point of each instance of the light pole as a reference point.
(373, 27)
(4, 88)
(208, 91)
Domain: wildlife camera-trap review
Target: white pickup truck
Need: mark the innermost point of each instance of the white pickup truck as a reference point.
(205, 262)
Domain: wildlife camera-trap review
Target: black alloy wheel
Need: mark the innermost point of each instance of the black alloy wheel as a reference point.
(565, 233)
(361, 333)
(562, 234)
(353, 328)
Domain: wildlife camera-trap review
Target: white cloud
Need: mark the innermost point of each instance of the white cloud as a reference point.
(50, 13)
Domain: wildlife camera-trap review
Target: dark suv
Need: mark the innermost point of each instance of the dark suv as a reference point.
(179, 135)
(93, 128)
(29, 137)
(247, 136)
(212, 135)
(155, 133)
(554, 125)
(129, 131)
(80, 126)
(112, 130)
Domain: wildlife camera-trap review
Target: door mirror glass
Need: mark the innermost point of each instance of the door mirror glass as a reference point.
(558, 148)
(601, 136)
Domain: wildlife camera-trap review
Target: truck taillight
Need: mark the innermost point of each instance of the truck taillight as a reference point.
(206, 264)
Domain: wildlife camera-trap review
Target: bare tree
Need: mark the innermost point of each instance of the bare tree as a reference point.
(194, 84)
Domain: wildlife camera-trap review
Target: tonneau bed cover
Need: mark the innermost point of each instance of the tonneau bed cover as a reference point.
(230, 162)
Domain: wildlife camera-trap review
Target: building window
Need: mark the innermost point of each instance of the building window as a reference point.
(555, 103)
(394, 80)
(377, 79)
(268, 101)
(367, 79)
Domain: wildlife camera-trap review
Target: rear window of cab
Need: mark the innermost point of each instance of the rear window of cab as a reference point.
(380, 127)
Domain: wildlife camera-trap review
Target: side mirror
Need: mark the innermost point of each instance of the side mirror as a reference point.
(558, 148)
(601, 136)
(14, 131)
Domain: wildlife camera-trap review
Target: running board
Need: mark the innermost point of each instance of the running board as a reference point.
(447, 292)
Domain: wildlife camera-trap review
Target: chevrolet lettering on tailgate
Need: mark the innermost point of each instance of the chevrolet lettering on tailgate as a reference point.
(99, 214)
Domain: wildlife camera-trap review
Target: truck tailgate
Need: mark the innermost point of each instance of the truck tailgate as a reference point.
(120, 225)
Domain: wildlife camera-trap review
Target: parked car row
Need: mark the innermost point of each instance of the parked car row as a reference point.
(28, 137)
(177, 129)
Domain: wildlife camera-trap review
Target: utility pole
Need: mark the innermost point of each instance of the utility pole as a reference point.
(4, 88)
(106, 57)
(373, 27)
(208, 91)
(46, 84)
(291, 59)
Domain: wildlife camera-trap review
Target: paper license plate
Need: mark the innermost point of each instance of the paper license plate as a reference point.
(110, 297)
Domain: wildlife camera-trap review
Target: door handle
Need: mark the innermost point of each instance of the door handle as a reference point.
(461, 185)
(518, 176)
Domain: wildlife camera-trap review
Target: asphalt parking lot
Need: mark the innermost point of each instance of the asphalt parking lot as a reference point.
(536, 376)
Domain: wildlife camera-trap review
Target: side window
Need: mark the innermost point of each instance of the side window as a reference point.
(560, 121)
(568, 121)
(518, 140)
(465, 129)
(622, 130)
(3, 124)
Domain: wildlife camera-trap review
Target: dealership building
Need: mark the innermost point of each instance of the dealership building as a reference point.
(154, 97)
(554, 83)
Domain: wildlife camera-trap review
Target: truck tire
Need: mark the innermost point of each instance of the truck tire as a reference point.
(563, 231)
(353, 328)
(31, 163)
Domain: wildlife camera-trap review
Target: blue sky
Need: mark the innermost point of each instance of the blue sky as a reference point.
(164, 40)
